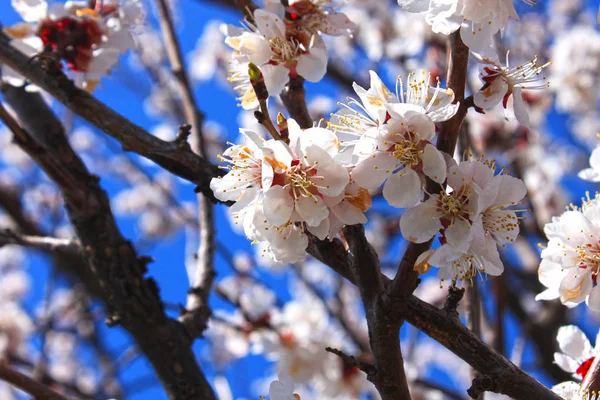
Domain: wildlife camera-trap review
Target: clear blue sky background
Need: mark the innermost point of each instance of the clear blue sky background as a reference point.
(219, 105)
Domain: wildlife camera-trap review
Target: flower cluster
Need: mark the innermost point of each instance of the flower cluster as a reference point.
(283, 43)
(477, 20)
(387, 137)
(571, 260)
(88, 35)
(473, 217)
(283, 189)
(577, 354)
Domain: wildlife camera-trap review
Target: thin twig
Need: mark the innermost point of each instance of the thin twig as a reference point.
(197, 310)
(27, 384)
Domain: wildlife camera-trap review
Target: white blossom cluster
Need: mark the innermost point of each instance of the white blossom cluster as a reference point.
(89, 40)
(283, 47)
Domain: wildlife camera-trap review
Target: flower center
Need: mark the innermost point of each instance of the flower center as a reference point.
(283, 50)
(71, 39)
(300, 180)
(450, 205)
(589, 257)
(407, 151)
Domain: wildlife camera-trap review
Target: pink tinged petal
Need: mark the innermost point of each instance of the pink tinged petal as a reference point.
(491, 95)
(593, 301)
(348, 214)
(312, 209)
(434, 165)
(269, 24)
(510, 190)
(575, 287)
(422, 125)
(336, 24)
(420, 223)
(573, 342)
(313, 66)
(494, 265)
(102, 62)
(331, 178)
(520, 107)
(403, 189)
(381, 89)
(414, 6)
(321, 231)
(459, 235)
(551, 274)
(278, 205)
(566, 363)
(372, 171)
(276, 77)
(31, 10)
(476, 171)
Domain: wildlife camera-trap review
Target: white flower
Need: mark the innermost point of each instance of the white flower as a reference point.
(478, 20)
(454, 212)
(577, 354)
(282, 388)
(88, 40)
(592, 174)
(503, 82)
(402, 156)
(277, 54)
(357, 129)
(570, 262)
(248, 170)
(576, 69)
(282, 189)
(319, 16)
(473, 221)
(572, 391)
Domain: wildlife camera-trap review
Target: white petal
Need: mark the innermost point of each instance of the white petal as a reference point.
(403, 189)
(520, 107)
(573, 342)
(491, 95)
(414, 6)
(278, 205)
(372, 171)
(312, 209)
(420, 223)
(459, 235)
(269, 24)
(434, 165)
(313, 66)
(276, 77)
(566, 363)
(348, 214)
(332, 177)
(31, 10)
(321, 231)
(593, 300)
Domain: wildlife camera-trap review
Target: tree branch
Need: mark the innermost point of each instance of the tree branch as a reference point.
(44, 243)
(180, 160)
(27, 384)
(132, 300)
(294, 100)
(197, 310)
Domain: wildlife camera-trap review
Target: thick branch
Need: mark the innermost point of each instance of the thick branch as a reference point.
(384, 333)
(172, 156)
(294, 99)
(132, 300)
